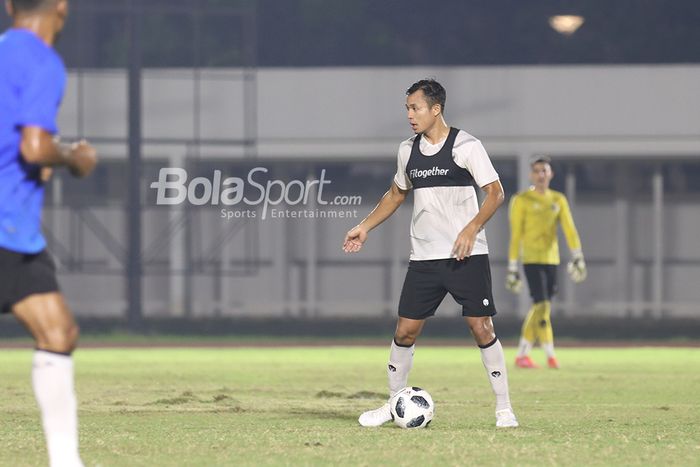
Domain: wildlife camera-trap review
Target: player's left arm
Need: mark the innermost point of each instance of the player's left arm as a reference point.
(577, 266)
(467, 237)
(470, 154)
(517, 225)
(567, 224)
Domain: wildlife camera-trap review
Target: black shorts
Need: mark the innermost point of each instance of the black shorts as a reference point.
(542, 281)
(22, 275)
(427, 283)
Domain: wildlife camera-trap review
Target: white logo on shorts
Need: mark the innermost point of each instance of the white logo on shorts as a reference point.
(486, 302)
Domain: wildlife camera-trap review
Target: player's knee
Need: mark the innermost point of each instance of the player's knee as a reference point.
(482, 330)
(61, 339)
(74, 335)
(483, 336)
(405, 338)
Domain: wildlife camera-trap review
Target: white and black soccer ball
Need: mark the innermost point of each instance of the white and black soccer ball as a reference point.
(412, 407)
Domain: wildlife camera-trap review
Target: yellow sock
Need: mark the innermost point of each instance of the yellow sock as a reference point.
(547, 336)
(529, 331)
(542, 318)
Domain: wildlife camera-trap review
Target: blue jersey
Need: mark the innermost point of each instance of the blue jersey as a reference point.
(32, 80)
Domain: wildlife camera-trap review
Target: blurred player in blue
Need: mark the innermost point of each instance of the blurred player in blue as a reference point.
(32, 80)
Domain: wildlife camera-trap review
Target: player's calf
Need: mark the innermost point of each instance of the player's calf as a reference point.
(59, 340)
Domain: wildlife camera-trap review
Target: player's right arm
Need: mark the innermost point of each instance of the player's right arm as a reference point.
(389, 203)
(517, 216)
(40, 147)
(37, 118)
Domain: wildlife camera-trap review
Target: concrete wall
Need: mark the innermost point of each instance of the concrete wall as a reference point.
(615, 113)
(328, 112)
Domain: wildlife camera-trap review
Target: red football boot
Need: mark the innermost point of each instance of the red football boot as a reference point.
(525, 362)
(553, 363)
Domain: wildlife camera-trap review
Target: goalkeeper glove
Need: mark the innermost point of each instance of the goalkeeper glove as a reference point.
(577, 268)
(513, 282)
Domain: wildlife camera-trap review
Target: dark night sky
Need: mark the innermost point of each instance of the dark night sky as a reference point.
(383, 32)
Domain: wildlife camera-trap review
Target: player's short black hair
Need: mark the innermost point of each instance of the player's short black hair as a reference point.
(540, 159)
(434, 92)
(30, 5)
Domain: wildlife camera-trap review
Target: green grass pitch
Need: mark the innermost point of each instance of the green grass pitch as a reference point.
(299, 406)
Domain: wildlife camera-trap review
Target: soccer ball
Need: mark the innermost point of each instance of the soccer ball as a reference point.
(412, 407)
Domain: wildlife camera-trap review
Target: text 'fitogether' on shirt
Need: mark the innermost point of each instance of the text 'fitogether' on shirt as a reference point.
(442, 177)
(32, 81)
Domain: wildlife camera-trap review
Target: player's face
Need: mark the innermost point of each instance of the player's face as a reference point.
(541, 174)
(421, 116)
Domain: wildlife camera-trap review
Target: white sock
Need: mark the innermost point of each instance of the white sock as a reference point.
(52, 379)
(495, 364)
(524, 347)
(400, 363)
(548, 349)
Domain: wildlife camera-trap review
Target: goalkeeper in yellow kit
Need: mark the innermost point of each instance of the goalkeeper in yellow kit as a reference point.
(534, 215)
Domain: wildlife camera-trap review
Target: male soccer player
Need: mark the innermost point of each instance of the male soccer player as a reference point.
(534, 215)
(449, 252)
(32, 78)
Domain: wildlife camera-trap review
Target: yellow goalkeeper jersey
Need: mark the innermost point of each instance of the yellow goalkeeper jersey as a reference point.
(533, 226)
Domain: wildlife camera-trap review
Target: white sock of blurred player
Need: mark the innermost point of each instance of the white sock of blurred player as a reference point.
(495, 364)
(548, 348)
(524, 348)
(52, 379)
